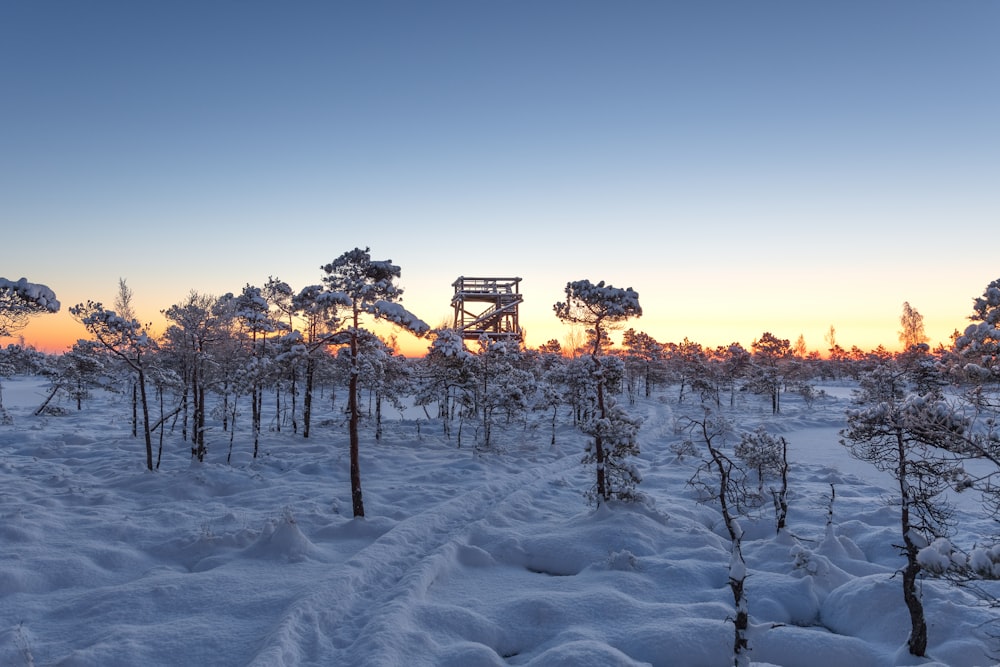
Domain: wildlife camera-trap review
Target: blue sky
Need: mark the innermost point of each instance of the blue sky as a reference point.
(747, 167)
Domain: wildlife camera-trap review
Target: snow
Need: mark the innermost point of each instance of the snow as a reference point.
(396, 314)
(32, 293)
(465, 558)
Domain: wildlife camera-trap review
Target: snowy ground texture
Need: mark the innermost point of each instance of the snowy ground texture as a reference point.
(464, 559)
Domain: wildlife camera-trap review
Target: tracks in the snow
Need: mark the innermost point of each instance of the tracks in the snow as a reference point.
(351, 614)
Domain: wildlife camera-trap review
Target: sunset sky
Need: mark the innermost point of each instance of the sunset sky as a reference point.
(745, 166)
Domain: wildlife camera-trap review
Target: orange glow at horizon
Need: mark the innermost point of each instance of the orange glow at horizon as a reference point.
(52, 334)
(56, 333)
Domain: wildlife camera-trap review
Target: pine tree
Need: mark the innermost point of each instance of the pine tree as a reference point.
(600, 307)
(366, 286)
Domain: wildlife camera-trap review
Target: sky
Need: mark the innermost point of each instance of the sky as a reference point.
(778, 167)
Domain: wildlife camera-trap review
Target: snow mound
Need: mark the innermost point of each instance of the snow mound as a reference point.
(283, 540)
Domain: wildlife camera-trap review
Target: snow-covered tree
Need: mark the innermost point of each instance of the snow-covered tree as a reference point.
(501, 386)
(125, 309)
(770, 354)
(318, 310)
(382, 372)
(735, 361)
(366, 286)
(914, 438)
(128, 342)
(643, 360)
(709, 378)
(550, 391)
(686, 360)
(20, 359)
(285, 373)
(81, 368)
(447, 375)
(767, 455)
(196, 326)
(252, 312)
(20, 300)
(600, 307)
(979, 345)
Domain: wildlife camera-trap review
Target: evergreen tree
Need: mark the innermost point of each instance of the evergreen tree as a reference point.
(914, 438)
(127, 341)
(600, 307)
(366, 286)
(21, 300)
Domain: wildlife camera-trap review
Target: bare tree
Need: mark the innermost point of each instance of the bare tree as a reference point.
(123, 301)
(911, 322)
(124, 309)
(723, 480)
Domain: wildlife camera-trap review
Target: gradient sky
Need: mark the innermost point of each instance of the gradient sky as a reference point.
(745, 166)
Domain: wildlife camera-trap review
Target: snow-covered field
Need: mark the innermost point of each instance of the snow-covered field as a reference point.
(464, 559)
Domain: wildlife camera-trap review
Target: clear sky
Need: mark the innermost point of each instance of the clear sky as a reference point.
(745, 166)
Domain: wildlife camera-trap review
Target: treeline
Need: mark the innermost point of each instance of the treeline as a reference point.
(270, 346)
(277, 345)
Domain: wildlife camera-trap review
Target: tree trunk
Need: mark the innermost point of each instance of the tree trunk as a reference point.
(199, 424)
(41, 407)
(917, 641)
(159, 450)
(255, 417)
(277, 409)
(602, 491)
(555, 413)
(357, 501)
(737, 574)
(295, 394)
(307, 399)
(781, 496)
(145, 418)
(135, 416)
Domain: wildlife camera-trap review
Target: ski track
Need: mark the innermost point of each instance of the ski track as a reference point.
(358, 614)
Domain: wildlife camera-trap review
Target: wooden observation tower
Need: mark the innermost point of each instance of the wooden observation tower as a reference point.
(487, 307)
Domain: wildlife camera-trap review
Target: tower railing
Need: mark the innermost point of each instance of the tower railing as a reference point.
(487, 307)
